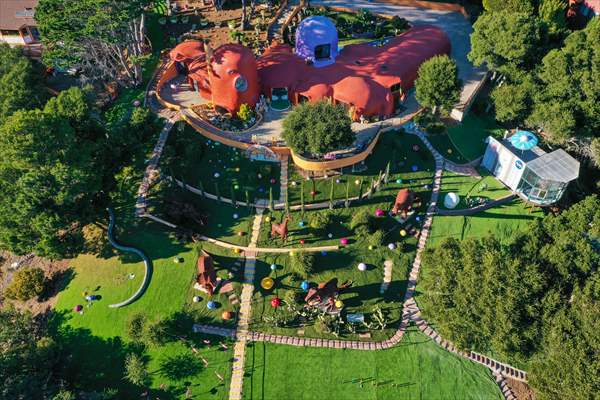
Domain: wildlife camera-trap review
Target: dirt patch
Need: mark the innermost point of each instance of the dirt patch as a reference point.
(58, 275)
(521, 390)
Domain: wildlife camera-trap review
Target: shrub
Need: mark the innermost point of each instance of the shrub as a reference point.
(320, 221)
(95, 238)
(376, 238)
(302, 263)
(246, 113)
(291, 297)
(135, 326)
(26, 284)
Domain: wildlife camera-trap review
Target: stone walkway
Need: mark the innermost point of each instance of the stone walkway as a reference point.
(462, 169)
(283, 179)
(239, 349)
(152, 172)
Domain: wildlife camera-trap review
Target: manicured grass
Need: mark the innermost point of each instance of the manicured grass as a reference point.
(416, 369)
(467, 187)
(99, 336)
(469, 136)
(393, 147)
(196, 159)
(442, 143)
(501, 221)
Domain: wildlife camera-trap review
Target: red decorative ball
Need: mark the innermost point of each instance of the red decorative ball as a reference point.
(313, 193)
(273, 180)
(275, 302)
(301, 241)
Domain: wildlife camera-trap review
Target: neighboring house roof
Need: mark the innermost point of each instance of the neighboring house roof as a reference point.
(557, 166)
(16, 13)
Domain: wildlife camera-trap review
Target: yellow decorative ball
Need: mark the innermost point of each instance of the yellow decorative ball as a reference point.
(267, 283)
(291, 253)
(357, 182)
(237, 251)
(449, 151)
(402, 232)
(370, 247)
(339, 303)
(267, 219)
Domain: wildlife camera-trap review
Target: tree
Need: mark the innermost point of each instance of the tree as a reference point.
(595, 150)
(553, 12)
(20, 82)
(513, 102)
(437, 85)
(513, 6)
(318, 128)
(568, 102)
(506, 42)
(26, 284)
(51, 172)
(105, 38)
(135, 370)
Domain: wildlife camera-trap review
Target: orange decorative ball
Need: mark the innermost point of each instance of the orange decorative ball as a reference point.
(227, 315)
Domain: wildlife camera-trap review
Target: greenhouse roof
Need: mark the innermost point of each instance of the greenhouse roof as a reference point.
(557, 166)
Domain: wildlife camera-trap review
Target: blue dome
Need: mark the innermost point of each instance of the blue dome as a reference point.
(317, 40)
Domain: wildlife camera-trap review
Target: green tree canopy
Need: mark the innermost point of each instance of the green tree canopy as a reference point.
(513, 6)
(501, 297)
(437, 85)
(553, 12)
(318, 128)
(20, 82)
(513, 101)
(568, 102)
(507, 42)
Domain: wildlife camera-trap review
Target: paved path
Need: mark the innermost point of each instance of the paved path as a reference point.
(457, 27)
(239, 349)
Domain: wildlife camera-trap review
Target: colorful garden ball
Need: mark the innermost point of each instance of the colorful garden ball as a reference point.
(402, 233)
(398, 180)
(235, 216)
(449, 151)
(379, 212)
(325, 176)
(273, 180)
(418, 218)
(301, 224)
(267, 219)
(241, 233)
(362, 267)
(357, 182)
(211, 305)
(196, 299)
(292, 253)
(323, 253)
(237, 169)
(237, 251)
(302, 241)
(330, 235)
(216, 175)
(392, 246)
(259, 176)
(293, 183)
(267, 283)
(339, 304)
(236, 187)
(304, 285)
(371, 247)
(338, 181)
(415, 168)
(344, 241)
(313, 193)
(273, 267)
(78, 308)
(275, 302)
(227, 315)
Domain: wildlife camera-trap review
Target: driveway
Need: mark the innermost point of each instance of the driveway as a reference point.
(456, 26)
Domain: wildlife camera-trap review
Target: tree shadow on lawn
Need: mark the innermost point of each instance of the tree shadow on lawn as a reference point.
(371, 292)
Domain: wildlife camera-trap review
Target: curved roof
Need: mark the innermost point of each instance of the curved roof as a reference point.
(187, 51)
(315, 31)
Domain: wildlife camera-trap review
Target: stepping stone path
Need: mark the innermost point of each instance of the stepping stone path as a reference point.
(233, 299)
(387, 275)
(239, 349)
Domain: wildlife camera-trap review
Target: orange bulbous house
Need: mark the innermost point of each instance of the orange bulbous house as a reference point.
(231, 78)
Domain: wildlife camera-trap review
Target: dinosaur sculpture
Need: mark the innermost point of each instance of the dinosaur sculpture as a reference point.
(207, 277)
(325, 295)
(405, 200)
(280, 229)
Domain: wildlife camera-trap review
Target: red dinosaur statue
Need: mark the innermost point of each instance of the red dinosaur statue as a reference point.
(324, 295)
(207, 277)
(405, 199)
(280, 229)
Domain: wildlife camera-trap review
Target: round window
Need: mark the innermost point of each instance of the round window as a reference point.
(241, 84)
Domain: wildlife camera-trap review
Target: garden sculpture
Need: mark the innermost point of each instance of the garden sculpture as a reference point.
(280, 229)
(207, 277)
(405, 200)
(325, 295)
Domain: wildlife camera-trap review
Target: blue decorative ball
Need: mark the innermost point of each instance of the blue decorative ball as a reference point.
(398, 180)
(301, 224)
(415, 168)
(273, 267)
(418, 218)
(323, 253)
(211, 305)
(304, 286)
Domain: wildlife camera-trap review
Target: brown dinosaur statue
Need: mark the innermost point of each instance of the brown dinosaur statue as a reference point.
(280, 229)
(207, 277)
(405, 199)
(325, 295)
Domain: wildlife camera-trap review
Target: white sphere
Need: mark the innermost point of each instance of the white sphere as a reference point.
(392, 246)
(235, 216)
(362, 267)
(451, 200)
(196, 299)
(216, 175)
(330, 235)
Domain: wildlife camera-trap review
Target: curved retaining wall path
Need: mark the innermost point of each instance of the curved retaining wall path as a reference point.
(129, 249)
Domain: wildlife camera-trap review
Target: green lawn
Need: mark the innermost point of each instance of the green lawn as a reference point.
(393, 147)
(467, 187)
(442, 143)
(196, 159)
(98, 335)
(416, 369)
(469, 136)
